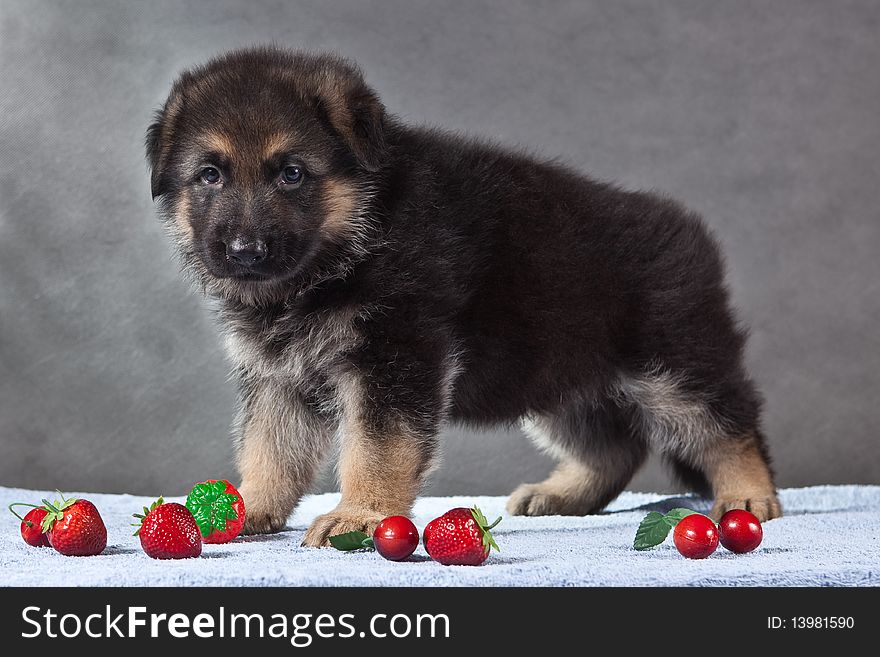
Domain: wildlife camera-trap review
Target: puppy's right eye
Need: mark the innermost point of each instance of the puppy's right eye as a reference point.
(210, 176)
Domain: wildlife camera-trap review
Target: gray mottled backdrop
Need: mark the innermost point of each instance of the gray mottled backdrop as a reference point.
(763, 116)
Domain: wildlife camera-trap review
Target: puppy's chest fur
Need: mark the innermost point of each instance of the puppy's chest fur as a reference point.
(303, 350)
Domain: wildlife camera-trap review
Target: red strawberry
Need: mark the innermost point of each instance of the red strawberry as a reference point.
(74, 527)
(32, 525)
(218, 509)
(168, 531)
(460, 537)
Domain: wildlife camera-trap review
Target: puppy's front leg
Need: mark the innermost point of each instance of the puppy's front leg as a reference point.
(281, 443)
(382, 465)
(380, 476)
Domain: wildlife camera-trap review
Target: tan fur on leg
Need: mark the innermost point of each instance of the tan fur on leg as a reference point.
(282, 443)
(741, 479)
(595, 462)
(380, 476)
(679, 423)
(267, 487)
(568, 491)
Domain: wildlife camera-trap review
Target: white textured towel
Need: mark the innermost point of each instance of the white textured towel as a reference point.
(830, 536)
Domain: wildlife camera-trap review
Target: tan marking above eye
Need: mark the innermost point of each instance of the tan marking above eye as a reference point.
(219, 142)
(276, 143)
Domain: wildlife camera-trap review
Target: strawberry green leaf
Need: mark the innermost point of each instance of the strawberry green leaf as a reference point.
(147, 510)
(488, 539)
(211, 506)
(672, 517)
(48, 521)
(652, 531)
(489, 542)
(204, 518)
(230, 499)
(351, 541)
(54, 511)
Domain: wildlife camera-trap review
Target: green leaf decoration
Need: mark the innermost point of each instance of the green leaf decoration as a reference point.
(211, 506)
(652, 531)
(203, 517)
(672, 517)
(655, 527)
(351, 541)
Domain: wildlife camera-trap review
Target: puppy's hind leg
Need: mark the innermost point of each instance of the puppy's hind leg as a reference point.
(739, 471)
(598, 451)
(707, 441)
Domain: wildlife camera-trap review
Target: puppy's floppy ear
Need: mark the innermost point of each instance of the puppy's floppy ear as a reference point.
(159, 141)
(368, 128)
(357, 115)
(154, 150)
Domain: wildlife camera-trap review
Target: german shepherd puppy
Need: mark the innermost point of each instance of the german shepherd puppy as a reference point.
(376, 280)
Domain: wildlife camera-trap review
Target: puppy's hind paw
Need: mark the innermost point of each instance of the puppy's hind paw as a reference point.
(765, 507)
(541, 500)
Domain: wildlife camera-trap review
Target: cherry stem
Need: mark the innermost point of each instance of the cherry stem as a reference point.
(34, 506)
(497, 520)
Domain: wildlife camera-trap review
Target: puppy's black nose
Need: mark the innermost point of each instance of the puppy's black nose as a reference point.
(246, 253)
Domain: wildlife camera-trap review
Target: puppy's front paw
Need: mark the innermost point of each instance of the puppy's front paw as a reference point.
(765, 507)
(263, 522)
(340, 521)
(263, 515)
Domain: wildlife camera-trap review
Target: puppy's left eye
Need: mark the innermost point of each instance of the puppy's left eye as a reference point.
(291, 175)
(210, 176)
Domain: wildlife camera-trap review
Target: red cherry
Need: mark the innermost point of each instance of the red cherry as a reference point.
(32, 530)
(396, 538)
(32, 525)
(740, 531)
(695, 536)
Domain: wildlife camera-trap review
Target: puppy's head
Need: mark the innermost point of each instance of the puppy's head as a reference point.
(264, 161)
